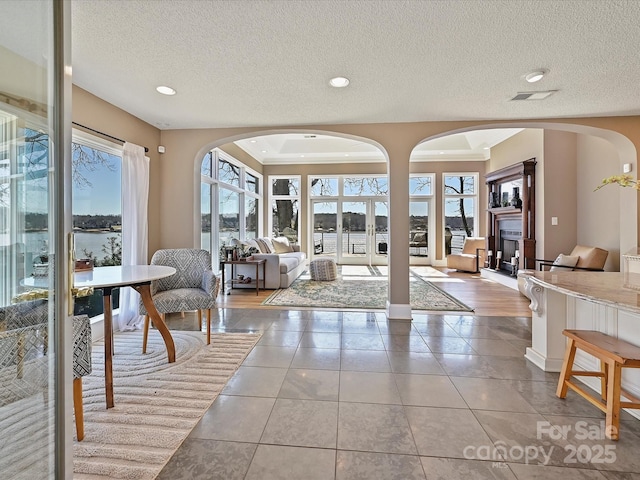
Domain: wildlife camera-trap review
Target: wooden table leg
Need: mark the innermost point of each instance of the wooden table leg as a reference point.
(145, 292)
(108, 346)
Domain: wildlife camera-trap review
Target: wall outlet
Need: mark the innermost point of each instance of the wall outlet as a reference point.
(554, 220)
(626, 168)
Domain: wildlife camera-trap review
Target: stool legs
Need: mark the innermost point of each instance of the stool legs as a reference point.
(567, 366)
(208, 326)
(613, 400)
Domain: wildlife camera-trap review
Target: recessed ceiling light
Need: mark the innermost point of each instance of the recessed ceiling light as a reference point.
(165, 90)
(346, 154)
(486, 148)
(441, 153)
(253, 141)
(264, 151)
(535, 76)
(339, 82)
(302, 156)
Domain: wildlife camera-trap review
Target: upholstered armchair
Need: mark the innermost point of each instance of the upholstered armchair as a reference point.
(23, 349)
(581, 258)
(471, 257)
(194, 286)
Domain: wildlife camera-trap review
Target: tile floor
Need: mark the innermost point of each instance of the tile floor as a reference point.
(349, 395)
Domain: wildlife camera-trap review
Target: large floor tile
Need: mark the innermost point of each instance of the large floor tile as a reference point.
(491, 394)
(280, 338)
(377, 466)
(273, 462)
(476, 331)
(289, 324)
(256, 382)
(436, 329)
(360, 341)
(490, 346)
(366, 325)
(368, 387)
(537, 472)
(365, 361)
(542, 397)
(317, 358)
(199, 459)
(236, 419)
(455, 468)
(405, 343)
(374, 428)
(302, 423)
(445, 432)
(519, 432)
(414, 362)
(265, 356)
(397, 327)
(448, 345)
(465, 365)
(428, 391)
(311, 384)
(317, 339)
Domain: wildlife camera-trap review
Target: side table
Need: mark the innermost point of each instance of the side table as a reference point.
(257, 263)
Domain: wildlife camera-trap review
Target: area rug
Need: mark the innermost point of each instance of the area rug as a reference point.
(361, 293)
(157, 404)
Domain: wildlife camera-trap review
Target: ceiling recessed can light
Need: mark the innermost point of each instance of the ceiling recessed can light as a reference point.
(339, 82)
(535, 76)
(163, 89)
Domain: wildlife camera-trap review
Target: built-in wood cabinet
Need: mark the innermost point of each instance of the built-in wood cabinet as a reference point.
(511, 215)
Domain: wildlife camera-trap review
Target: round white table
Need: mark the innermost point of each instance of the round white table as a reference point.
(106, 279)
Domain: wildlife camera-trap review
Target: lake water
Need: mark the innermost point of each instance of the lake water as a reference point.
(36, 242)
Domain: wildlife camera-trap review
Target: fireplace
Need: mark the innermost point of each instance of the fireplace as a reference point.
(511, 225)
(508, 241)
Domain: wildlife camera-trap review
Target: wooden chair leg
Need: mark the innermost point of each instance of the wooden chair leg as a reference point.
(208, 326)
(145, 333)
(200, 319)
(181, 314)
(78, 409)
(567, 365)
(613, 401)
(20, 356)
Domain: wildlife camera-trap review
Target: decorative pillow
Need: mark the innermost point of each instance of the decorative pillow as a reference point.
(265, 245)
(281, 247)
(564, 262)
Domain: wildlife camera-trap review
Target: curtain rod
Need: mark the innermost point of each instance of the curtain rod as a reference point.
(103, 134)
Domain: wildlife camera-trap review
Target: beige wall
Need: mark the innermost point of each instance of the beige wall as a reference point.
(93, 112)
(598, 159)
(560, 189)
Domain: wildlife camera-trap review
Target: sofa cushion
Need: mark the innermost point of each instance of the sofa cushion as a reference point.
(289, 261)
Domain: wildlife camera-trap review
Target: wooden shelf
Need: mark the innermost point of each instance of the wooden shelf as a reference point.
(505, 210)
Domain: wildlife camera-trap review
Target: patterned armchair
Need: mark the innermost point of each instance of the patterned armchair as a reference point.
(194, 286)
(23, 347)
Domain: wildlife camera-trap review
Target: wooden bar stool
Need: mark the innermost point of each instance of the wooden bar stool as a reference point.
(614, 355)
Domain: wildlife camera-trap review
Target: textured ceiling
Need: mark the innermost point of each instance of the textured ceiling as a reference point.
(265, 63)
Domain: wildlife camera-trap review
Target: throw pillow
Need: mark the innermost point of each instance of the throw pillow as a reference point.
(281, 247)
(265, 245)
(564, 262)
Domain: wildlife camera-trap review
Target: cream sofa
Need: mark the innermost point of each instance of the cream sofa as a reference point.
(471, 258)
(285, 262)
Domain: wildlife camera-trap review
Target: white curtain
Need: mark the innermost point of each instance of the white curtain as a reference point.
(135, 199)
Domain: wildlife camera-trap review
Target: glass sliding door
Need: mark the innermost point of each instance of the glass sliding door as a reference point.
(418, 231)
(379, 232)
(35, 380)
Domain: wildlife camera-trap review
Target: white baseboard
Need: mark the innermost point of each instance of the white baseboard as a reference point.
(546, 364)
(398, 311)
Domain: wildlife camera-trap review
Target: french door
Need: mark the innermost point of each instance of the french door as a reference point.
(351, 231)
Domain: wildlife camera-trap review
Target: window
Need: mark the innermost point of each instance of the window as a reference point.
(460, 209)
(230, 202)
(285, 203)
(97, 210)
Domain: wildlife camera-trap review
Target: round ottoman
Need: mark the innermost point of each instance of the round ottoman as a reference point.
(323, 269)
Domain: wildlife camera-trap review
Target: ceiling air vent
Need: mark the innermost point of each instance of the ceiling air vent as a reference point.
(309, 136)
(533, 95)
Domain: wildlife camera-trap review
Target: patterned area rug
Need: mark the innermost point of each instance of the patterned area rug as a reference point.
(156, 404)
(361, 292)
